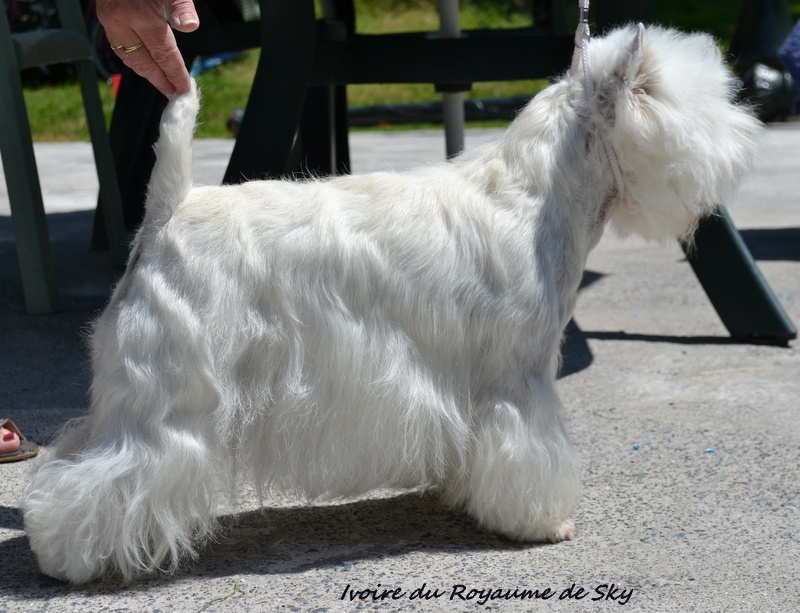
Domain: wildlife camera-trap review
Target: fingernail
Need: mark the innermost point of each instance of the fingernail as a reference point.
(186, 20)
(8, 436)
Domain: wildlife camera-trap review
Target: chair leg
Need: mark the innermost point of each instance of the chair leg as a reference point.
(107, 177)
(735, 286)
(25, 195)
(341, 130)
(322, 147)
(273, 114)
(316, 141)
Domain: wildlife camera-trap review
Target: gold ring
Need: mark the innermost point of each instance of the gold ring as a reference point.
(128, 50)
(117, 47)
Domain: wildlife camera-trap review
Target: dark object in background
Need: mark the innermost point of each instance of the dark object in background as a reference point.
(235, 121)
(769, 90)
(762, 27)
(789, 54)
(26, 15)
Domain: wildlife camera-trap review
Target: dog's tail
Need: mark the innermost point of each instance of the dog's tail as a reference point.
(171, 179)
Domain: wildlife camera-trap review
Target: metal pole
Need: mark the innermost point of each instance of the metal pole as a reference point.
(452, 102)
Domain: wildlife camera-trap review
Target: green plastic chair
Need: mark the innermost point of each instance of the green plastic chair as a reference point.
(47, 47)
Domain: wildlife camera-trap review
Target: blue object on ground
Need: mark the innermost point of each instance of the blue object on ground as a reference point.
(202, 64)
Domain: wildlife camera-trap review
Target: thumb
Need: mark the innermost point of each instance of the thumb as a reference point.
(182, 15)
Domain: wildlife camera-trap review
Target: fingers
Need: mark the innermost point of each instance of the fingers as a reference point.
(163, 60)
(182, 15)
(130, 22)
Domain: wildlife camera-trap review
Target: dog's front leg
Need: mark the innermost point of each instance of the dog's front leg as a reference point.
(523, 476)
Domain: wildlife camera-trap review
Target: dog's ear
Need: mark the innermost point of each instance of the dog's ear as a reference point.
(623, 72)
(630, 61)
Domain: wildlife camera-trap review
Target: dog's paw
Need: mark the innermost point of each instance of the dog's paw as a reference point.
(565, 531)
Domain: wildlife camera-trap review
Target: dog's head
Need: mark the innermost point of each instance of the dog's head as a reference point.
(665, 106)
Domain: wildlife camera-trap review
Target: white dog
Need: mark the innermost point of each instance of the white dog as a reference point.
(328, 337)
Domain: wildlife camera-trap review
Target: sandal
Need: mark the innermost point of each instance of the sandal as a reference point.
(26, 448)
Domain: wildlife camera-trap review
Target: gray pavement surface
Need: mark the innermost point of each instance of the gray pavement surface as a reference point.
(690, 443)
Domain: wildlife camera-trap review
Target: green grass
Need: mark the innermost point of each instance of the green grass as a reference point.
(56, 113)
(224, 88)
(55, 109)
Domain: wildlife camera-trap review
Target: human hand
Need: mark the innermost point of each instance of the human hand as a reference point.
(144, 41)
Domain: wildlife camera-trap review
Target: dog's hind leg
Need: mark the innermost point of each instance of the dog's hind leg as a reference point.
(130, 508)
(134, 485)
(523, 477)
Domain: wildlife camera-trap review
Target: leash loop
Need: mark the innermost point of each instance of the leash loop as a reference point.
(581, 55)
(582, 37)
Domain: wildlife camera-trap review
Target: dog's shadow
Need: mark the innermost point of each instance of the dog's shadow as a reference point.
(293, 540)
(284, 540)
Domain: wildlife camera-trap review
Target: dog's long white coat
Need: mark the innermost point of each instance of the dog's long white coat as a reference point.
(328, 337)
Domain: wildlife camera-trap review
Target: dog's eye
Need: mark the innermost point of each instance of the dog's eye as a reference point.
(639, 91)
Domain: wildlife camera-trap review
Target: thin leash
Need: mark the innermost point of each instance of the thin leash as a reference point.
(582, 38)
(581, 55)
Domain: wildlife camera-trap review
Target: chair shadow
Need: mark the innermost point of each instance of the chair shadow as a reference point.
(575, 352)
(576, 355)
(657, 338)
(289, 540)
